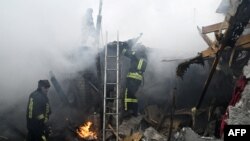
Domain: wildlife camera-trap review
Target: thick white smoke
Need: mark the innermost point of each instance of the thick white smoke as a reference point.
(37, 36)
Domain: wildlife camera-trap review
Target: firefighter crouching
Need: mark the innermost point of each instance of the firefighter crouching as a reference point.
(38, 111)
(138, 64)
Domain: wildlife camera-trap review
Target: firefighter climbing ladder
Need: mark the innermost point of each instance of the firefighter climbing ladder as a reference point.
(111, 111)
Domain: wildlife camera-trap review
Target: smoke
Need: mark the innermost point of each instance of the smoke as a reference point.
(38, 36)
(170, 28)
(166, 24)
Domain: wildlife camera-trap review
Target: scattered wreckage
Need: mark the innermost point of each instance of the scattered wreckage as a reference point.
(232, 40)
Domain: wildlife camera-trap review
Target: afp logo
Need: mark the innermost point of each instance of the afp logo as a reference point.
(237, 132)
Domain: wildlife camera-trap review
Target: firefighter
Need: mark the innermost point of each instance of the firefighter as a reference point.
(38, 111)
(138, 63)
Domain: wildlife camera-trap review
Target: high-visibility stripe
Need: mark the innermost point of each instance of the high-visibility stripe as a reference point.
(134, 75)
(131, 100)
(125, 103)
(47, 112)
(128, 100)
(44, 138)
(140, 64)
(30, 107)
(40, 117)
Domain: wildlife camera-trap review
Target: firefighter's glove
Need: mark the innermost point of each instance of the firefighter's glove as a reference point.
(126, 45)
(194, 110)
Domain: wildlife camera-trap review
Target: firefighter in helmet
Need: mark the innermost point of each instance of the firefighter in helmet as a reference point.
(38, 111)
(138, 64)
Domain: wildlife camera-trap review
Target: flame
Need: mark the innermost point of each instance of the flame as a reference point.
(84, 132)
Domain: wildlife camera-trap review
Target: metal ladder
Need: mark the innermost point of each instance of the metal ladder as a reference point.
(111, 111)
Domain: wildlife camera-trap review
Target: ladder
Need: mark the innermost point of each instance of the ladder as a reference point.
(111, 100)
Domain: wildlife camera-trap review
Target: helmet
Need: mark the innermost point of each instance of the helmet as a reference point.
(43, 83)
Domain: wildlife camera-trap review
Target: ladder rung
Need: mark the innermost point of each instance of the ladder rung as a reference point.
(111, 69)
(111, 83)
(111, 98)
(111, 56)
(108, 130)
(112, 114)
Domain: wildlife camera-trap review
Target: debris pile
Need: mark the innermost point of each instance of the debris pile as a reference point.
(187, 134)
(240, 113)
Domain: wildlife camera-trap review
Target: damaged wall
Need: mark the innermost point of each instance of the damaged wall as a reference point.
(240, 113)
(160, 79)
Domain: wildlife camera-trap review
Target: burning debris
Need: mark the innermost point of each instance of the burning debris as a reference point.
(85, 132)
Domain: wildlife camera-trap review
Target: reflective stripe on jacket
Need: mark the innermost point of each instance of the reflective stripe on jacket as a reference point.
(128, 100)
(38, 107)
(134, 75)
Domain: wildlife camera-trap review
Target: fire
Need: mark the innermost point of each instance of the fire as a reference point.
(84, 132)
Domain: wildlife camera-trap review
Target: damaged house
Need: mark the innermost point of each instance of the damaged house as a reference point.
(185, 100)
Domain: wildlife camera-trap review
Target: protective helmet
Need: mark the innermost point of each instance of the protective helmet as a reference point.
(43, 83)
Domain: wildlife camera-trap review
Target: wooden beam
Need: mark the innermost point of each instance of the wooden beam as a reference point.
(246, 46)
(209, 52)
(244, 39)
(205, 37)
(214, 27)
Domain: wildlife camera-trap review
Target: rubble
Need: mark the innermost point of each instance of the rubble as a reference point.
(151, 134)
(240, 113)
(187, 134)
(134, 137)
(129, 125)
(153, 114)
